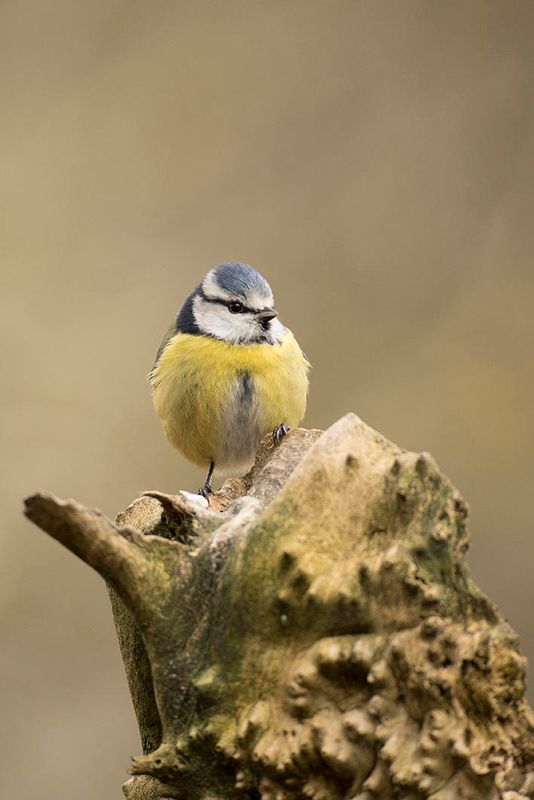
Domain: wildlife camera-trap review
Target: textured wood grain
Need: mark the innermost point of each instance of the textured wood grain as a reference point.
(313, 634)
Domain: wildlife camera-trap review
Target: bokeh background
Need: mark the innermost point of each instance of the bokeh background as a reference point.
(375, 159)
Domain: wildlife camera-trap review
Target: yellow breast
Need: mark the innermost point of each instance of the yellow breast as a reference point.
(216, 400)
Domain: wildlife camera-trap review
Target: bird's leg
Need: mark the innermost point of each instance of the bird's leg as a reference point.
(280, 431)
(206, 490)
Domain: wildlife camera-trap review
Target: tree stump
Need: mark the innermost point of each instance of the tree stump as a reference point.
(313, 634)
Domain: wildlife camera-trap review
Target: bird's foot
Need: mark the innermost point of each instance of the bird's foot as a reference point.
(280, 431)
(205, 492)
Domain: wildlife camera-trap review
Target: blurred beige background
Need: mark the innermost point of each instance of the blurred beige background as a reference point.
(375, 159)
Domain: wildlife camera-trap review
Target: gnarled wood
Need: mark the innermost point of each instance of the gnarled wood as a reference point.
(314, 634)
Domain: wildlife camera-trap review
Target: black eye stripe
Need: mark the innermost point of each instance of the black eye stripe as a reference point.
(219, 301)
(242, 309)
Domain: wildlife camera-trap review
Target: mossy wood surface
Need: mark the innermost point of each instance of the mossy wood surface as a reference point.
(314, 634)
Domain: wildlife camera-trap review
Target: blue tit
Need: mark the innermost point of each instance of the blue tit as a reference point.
(228, 372)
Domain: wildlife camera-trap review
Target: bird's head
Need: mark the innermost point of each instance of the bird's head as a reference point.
(235, 303)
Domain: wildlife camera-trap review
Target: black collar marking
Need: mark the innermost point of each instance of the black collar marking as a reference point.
(185, 321)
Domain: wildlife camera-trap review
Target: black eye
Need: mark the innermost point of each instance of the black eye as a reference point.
(235, 307)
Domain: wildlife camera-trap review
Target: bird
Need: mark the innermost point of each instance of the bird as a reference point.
(228, 372)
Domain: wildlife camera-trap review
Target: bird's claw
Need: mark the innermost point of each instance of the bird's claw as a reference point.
(280, 431)
(205, 492)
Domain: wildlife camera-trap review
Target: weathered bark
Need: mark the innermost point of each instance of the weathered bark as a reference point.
(314, 634)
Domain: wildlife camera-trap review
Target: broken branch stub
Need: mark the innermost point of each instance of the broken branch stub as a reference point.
(316, 636)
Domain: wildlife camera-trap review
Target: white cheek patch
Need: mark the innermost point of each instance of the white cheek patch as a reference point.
(276, 331)
(215, 320)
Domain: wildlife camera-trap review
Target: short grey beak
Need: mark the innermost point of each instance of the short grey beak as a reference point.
(266, 314)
